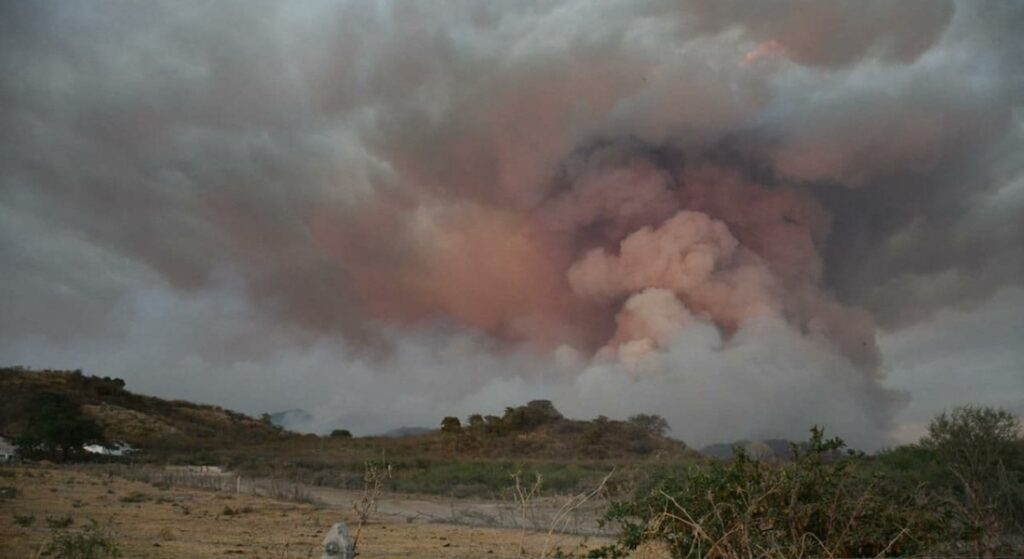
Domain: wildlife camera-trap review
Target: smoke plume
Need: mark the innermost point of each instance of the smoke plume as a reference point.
(725, 213)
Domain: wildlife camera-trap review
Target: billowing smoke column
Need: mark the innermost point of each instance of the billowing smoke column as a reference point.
(700, 239)
(702, 209)
(628, 247)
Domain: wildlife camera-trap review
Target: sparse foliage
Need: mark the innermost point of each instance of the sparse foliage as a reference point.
(374, 478)
(59, 522)
(975, 441)
(89, 543)
(982, 449)
(818, 506)
(652, 423)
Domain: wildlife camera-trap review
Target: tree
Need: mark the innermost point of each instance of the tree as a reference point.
(341, 434)
(652, 423)
(56, 424)
(493, 424)
(543, 409)
(476, 420)
(983, 449)
(596, 430)
(534, 414)
(975, 440)
(451, 424)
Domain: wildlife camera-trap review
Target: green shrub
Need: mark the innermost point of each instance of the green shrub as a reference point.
(90, 543)
(136, 497)
(59, 522)
(982, 450)
(820, 505)
(652, 423)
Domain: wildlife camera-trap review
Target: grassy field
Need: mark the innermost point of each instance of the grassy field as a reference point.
(144, 520)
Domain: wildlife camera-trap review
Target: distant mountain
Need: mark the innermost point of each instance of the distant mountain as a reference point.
(403, 432)
(290, 418)
(767, 449)
(721, 450)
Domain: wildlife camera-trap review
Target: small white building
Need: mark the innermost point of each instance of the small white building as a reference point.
(8, 452)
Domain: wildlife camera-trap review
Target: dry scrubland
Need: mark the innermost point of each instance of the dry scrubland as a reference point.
(147, 521)
(957, 492)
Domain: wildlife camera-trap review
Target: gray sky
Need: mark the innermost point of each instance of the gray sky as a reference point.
(746, 217)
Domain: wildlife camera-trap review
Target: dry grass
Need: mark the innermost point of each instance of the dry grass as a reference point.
(122, 423)
(146, 521)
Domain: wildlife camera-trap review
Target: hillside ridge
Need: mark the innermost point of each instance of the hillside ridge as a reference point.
(142, 421)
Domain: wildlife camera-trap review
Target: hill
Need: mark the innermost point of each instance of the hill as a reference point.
(535, 430)
(142, 421)
(403, 432)
(477, 458)
(480, 456)
(778, 449)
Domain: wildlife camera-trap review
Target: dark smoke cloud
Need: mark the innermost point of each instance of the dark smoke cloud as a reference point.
(699, 209)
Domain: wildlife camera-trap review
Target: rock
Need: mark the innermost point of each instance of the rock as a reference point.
(338, 544)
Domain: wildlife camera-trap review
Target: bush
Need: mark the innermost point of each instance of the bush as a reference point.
(59, 522)
(982, 450)
(976, 441)
(819, 505)
(652, 423)
(136, 497)
(341, 434)
(534, 414)
(228, 511)
(90, 543)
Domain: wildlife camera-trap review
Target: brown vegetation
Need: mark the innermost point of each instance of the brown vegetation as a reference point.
(143, 520)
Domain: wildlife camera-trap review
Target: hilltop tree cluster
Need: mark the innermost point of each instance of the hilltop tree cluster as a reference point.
(540, 423)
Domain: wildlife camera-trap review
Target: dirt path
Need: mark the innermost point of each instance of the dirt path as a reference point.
(538, 515)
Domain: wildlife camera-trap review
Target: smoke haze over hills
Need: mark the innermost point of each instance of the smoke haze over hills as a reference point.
(746, 218)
